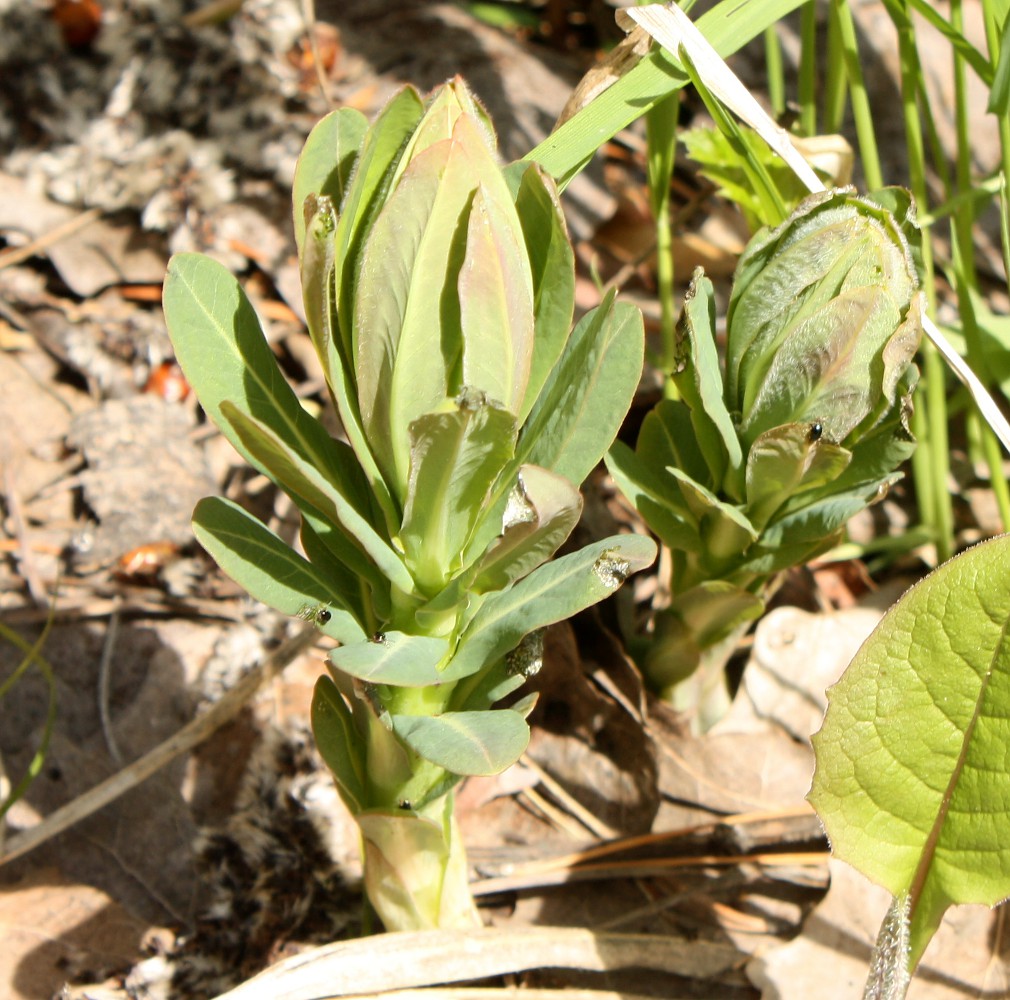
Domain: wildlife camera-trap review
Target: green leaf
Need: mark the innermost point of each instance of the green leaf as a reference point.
(655, 495)
(728, 27)
(339, 743)
(221, 348)
(553, 266)
(496, 301)
(588, 393)
(546, 507)
(271, 571)
(785, 461)
(911, 782)
(999, 95)
(698, 377)
(380, 152)
(725, 530)
(326, 161)
(351, 575)
(456, 457)
(302, 480)
(394, 658)
(470, 743)
(551, 593)
(667, 438)
(319, 292)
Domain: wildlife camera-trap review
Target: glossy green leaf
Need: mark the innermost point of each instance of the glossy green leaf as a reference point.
(551, 593)
(271, 571)
(496, 301)
(544, 509)
(553, 267)
(339, 744)
(302, 480)
(350, 574)
(394, 658)
(326, 161)
(221, 348)
(470, 743)
(912, 782)
(588, 393)
(456, 457)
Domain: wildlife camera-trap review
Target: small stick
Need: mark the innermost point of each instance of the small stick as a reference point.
(185, 739)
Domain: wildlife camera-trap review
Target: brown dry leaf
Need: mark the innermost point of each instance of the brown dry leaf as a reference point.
(796, 656)
(590, 740)
(961, 961)
(55, 930)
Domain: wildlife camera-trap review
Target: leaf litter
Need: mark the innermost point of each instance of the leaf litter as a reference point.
(183, 135)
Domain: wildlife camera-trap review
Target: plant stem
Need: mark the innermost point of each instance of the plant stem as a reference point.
(776, 74)
(807, 83)
(661, 137)
(861, 111)
(933, 395)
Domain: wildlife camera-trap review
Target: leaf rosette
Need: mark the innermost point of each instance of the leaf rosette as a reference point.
(769, 451)
(439, 293)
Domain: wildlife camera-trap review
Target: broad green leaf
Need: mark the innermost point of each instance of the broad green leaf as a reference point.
(728, 27)
(221, 348)
(456, 457)
(470, 743)
(551, 593)
(496, 302)
(339, 743)
(326, 161)
(546, 507)
(270, 570)
(302, 480)
(380, 153)
(698, 377)
(394, 658)
(912, 782)
(553, 265)
(588, 393)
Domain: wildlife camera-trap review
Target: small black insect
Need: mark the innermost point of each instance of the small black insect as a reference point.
(322, 616)
(815, 432)
(378, 638)
(405, 805)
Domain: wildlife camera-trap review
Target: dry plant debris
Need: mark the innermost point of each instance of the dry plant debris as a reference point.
(151, 128)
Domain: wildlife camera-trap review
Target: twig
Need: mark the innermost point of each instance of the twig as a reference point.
(37, 246)
(185, 739)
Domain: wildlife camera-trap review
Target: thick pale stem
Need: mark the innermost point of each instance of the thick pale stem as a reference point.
(415, 868)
